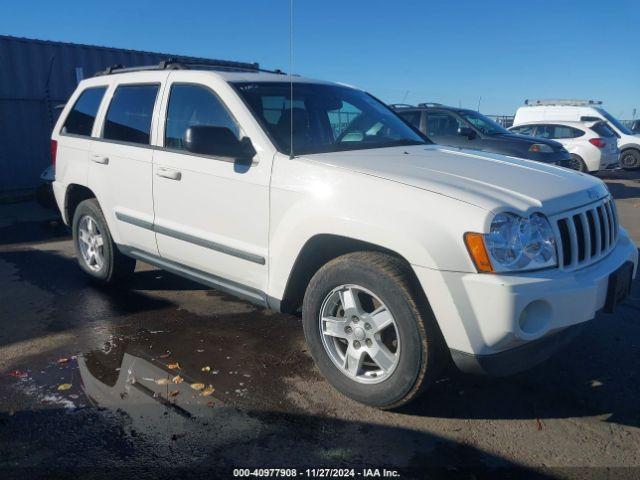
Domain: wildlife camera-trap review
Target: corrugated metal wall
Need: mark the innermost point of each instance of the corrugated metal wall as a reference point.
(37, 75)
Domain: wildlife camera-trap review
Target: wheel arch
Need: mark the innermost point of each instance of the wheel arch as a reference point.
(316, 252)
(75, 194)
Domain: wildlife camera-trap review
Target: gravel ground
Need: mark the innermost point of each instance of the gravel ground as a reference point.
(575, 416)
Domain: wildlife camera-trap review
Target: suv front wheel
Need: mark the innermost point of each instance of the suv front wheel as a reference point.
(370, 330)
(97, 254)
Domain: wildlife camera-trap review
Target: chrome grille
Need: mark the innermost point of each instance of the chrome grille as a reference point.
(586, 234)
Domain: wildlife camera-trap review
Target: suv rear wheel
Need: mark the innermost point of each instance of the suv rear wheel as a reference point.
(97, 255)
(368, 330)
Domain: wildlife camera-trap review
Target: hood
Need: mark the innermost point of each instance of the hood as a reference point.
(526, 139)
(490, 181)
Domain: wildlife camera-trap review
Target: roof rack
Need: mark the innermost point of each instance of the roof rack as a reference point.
(401, 105)
(430, 104)
(561, 101)
(176, 64)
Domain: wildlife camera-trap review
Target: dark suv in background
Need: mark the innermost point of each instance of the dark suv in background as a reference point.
(463, 128)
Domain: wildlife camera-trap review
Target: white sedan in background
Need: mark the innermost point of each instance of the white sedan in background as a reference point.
(592, 144)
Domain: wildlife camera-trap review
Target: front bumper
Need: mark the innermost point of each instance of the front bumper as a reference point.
(504, 323)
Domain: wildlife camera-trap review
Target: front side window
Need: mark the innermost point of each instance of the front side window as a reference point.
(325, 118)
(442, 124)
(129, 115)
(191, 105)
(83, 114)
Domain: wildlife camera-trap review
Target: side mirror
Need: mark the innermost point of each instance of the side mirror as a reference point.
(218, 142)
(466, 132)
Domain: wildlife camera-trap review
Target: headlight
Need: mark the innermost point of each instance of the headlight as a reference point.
(514, 243)
(540, 148)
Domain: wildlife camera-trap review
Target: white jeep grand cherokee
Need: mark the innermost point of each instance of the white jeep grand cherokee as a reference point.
(401, 254)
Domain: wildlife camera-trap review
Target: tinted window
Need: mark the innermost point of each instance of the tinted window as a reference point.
(603, 130)
(482, 123)
(616, 123)
(412, 117)
(562, 131)
(442, 124)
(545, 131)
(325, 118)
(129, 115)
(525, 130)
(191, 105)
(83, 114)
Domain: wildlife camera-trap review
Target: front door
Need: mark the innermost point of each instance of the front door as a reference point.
(212, 214)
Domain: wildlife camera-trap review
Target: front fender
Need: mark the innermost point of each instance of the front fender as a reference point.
(425, 228)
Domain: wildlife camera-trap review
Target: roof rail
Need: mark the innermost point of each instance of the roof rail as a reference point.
(401, 105)
(176, 64)
(562, 101)
(429, 104)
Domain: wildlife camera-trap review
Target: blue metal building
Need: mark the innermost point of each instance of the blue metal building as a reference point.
(36, 76)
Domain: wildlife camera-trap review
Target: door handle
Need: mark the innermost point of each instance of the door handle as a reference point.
(170, 174)
(98, 158)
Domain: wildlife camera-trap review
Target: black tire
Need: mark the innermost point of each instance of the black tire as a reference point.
(582, 167)
(116, 265)
(423, 355)
(630, 159)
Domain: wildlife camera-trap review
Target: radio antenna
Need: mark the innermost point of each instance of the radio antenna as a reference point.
(291, 155)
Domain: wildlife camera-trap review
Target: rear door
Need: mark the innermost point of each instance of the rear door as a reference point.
(121, 161)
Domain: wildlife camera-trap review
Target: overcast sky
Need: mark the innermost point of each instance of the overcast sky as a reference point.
(457, 52)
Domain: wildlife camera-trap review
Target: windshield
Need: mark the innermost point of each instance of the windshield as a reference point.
(614, 121)
(482, 123)
(325, 118)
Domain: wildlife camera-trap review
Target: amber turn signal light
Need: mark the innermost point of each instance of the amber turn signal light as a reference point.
(478, 252)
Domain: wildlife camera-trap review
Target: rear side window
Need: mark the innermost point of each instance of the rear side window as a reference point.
(130, 112)
(603, 130)
(525, 130)
(563, 131)
(191, 105)
(558, 132)
(83, 114)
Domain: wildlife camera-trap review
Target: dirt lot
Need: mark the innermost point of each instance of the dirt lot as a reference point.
(577, 415)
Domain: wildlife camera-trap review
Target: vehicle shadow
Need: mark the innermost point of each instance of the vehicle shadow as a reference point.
(50, 289)
(158, 280)
(619, 190)
(36, 231)
(219, 439)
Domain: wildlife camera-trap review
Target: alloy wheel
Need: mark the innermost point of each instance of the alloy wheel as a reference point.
(91, 243)
(359, 334)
